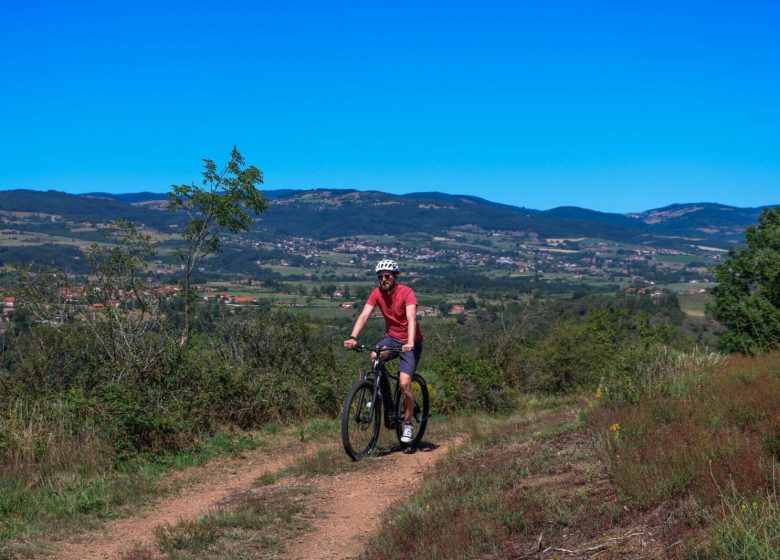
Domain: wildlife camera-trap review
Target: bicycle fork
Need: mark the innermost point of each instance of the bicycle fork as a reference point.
(381, 393)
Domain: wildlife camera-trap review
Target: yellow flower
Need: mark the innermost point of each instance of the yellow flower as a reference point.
(599, 393)
(744, 506)
(615, 427)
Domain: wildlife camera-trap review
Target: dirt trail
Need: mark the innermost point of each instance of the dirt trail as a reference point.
(353, 505)
(346, 508)
(349, 506)
(216, 480)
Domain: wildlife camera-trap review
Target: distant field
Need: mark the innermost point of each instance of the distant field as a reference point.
(693, 304)
(683, 259)
(289, 270)
(682, 287)
(23, 239)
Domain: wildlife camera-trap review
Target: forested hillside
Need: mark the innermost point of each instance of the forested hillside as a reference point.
(322, 214)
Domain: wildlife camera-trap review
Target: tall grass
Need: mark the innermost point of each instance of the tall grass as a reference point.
(703, 424)
(41, 438)
(661, 370)
(748, 529)
(57, 470)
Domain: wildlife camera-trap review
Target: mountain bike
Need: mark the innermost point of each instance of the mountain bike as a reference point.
(361, 414)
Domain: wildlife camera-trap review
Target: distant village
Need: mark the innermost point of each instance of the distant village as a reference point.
(576, 259)
(597, 260)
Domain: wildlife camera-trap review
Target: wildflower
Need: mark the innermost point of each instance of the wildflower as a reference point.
(743, 506)
(615, 427)
(599, 393)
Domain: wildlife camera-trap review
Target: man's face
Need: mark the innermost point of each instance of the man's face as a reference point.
(386, 280)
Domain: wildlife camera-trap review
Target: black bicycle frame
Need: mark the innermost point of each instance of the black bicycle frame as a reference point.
(381, 381)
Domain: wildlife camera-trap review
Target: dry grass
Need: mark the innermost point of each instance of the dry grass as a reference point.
(39, 438)
(726, 430)
(685, 447)
(526, 487)
(257, 527)
(643, 480)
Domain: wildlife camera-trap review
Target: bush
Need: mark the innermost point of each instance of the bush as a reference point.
(156, 394)
(277, 368)
(747, 296)
(612, 345)
(459, 379)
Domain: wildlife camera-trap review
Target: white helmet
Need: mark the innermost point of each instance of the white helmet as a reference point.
(387, 264)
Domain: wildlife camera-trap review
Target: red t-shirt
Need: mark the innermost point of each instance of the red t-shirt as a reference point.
(393, 307)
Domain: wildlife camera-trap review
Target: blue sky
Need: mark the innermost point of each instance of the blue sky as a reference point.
(610, 105)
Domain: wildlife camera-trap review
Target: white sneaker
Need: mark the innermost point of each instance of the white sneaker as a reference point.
(408, 434)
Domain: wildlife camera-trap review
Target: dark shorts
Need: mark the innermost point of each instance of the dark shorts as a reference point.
(409, 360)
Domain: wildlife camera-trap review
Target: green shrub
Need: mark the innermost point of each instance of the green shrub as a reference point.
(153, 394)
(459, 379)
(615, 345)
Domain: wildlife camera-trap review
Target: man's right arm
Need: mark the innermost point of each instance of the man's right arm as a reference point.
(351, 342)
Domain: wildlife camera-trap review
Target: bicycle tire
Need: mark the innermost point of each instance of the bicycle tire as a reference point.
(359, 424)
(420, 414)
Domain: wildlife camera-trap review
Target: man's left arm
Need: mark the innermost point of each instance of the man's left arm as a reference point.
(411, 320)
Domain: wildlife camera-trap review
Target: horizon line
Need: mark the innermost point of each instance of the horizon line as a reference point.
(369, 190)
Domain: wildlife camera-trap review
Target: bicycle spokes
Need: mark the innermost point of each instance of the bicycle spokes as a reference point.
(419, 412)
(363, 409)
(360, 421)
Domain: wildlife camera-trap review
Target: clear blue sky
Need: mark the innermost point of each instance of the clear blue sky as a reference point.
(610, 105)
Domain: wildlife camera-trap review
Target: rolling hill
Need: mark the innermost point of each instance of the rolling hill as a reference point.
(328, 213)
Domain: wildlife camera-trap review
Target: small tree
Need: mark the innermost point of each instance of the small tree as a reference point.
(747, 298)
(127, 306)
(119, 268)
(225, 202)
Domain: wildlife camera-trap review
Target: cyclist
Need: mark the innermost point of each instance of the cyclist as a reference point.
(398, 305)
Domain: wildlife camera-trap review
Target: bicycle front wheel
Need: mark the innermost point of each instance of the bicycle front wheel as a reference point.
(360, 420)
(419, 414)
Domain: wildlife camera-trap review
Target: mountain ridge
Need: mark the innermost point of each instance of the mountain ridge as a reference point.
(326, 213)
(275, 194)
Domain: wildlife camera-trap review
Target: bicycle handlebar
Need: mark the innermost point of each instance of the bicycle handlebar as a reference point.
(361, 347)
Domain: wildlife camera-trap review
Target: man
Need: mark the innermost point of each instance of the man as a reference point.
(398, 305)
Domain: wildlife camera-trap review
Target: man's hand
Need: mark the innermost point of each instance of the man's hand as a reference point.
(350, 343)
(407, 347)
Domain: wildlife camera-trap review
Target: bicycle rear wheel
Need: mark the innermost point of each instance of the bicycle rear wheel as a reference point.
(360, 421)
(419, 414)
